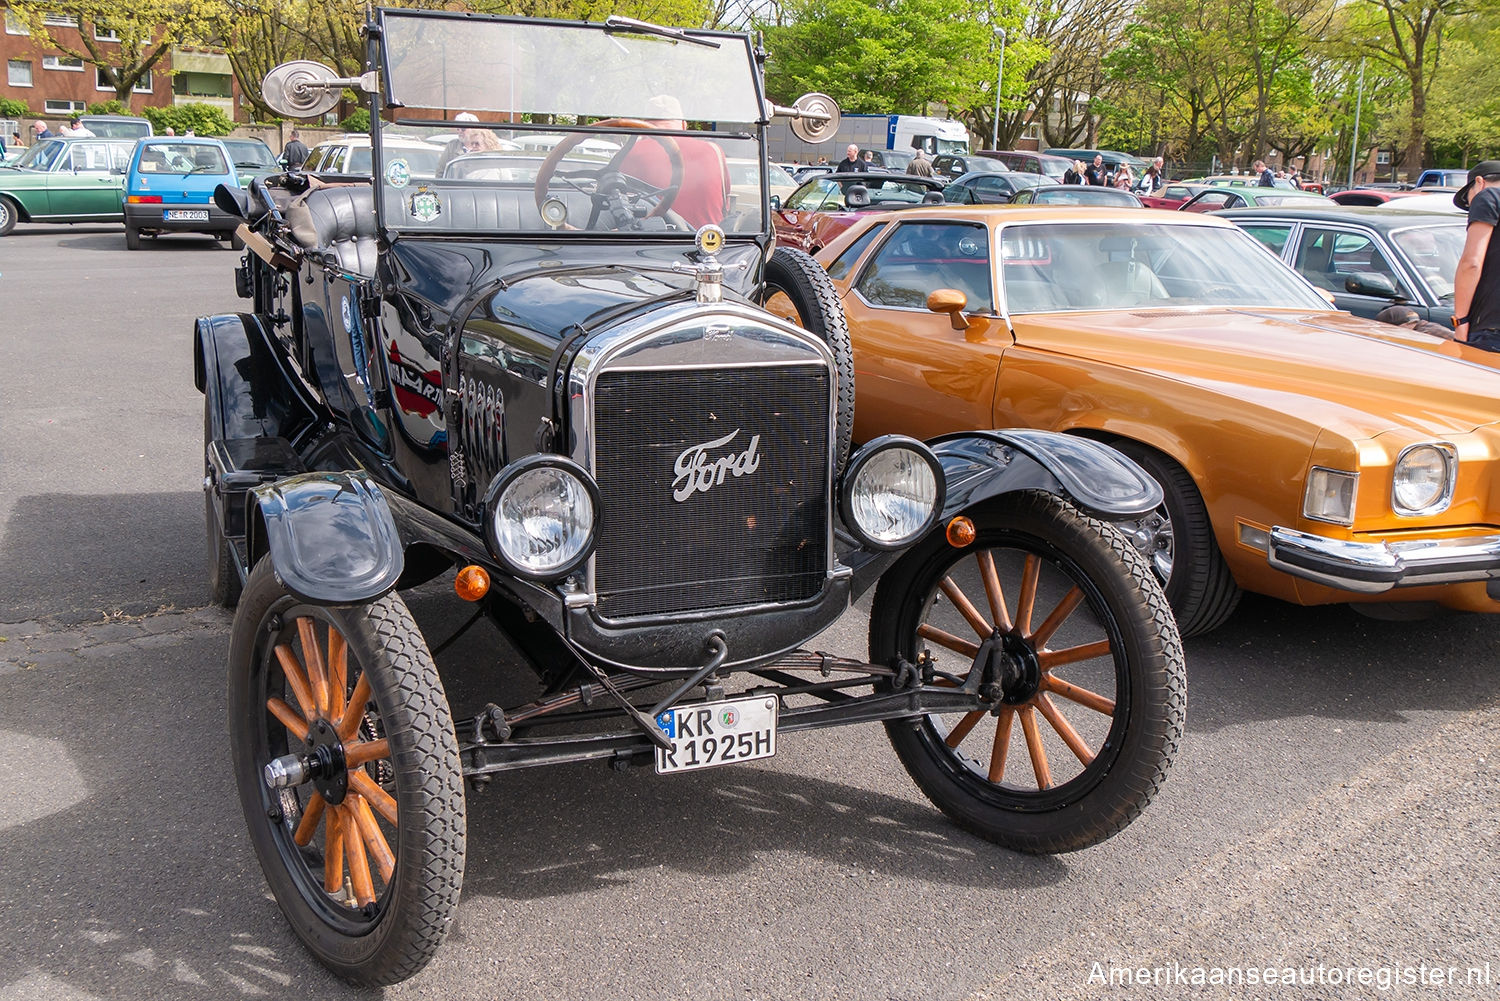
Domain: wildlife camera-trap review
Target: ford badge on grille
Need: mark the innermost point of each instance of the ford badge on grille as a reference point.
(696, 473)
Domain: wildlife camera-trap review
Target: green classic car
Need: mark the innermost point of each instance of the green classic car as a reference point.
(65, 180)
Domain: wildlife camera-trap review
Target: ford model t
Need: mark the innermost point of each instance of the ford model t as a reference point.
(536, 360)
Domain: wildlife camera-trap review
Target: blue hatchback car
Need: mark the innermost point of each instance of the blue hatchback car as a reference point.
(169, 188)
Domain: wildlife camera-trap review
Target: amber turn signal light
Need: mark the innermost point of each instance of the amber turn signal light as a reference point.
(960, 532)
(472, 583)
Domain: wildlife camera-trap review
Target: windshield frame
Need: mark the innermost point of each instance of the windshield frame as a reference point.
(1086, 217)
(386, 108)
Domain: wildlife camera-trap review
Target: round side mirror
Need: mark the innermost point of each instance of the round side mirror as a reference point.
(300, 89)
(816, 130)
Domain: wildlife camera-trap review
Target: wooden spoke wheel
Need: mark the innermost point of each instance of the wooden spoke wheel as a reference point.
(348, 773)
(1081, 674)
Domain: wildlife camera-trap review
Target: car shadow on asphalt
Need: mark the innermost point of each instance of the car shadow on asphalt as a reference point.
(1274, 660)
(173, 243)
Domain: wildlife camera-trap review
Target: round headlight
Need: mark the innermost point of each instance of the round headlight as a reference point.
(543, 512)
(1423, 480)
(893, 492)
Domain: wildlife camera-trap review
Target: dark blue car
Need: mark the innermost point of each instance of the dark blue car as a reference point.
(169, 188)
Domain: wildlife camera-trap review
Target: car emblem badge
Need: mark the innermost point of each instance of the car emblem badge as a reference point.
(398, 174)
(697, 473)
(425, 206)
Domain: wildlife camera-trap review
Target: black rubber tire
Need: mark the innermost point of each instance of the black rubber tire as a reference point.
(10, 214)
(803, 280)
(394, 937)
(1133, 745)
(224, 584)
(132, 239)
(1201, 588)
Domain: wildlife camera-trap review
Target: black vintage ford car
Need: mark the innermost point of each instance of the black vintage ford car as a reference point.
(541, 365)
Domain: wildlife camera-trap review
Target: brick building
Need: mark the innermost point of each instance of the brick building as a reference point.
(53, 85)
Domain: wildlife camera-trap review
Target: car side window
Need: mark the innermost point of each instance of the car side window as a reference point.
(1210, 201)
(1327, 257)
(1273, 235)
(339, 156)
(91, 158)
(922, 257)
(852, 253)
(315, 159)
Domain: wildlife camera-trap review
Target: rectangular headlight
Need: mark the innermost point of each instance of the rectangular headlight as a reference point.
(1330, 495)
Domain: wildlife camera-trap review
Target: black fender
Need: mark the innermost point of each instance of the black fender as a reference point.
(250, 392)
(331, 536)
(980, 465)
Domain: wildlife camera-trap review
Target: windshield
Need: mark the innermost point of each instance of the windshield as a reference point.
(1085, 266)
(250, 154)
(545, 125)
(181, 158)
(41, 156)
(956, 147)
(1433, 252)
(1074, 194)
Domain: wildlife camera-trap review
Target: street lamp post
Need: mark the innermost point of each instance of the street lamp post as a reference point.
(1359, 98)
(999, 82)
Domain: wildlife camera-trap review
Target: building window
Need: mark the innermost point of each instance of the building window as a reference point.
(65, 107)
(18, 73)
(14, 25)
(102, 34)
(101, 82)
(62, 63)
(1383, 158)
(60, 20)
(1032, 131)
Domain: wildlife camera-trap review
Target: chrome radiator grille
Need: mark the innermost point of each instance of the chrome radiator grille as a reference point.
(715, 487)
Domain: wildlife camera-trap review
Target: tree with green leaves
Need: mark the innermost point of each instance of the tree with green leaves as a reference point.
(137, 34)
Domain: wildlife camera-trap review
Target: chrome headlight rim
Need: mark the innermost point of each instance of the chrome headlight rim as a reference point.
(860, 459)
(505, 479)
(1449, 454)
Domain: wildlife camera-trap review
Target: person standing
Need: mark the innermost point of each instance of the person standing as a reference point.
(1097, 175)
(851, 163)
(1267, 178)
(1155, 177)
(41, 130)
(920, 165)
(295, 151)
(76, 129)
(1075, 174)
(1476, 284)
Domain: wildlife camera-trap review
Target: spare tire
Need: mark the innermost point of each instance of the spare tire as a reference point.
(798, 290)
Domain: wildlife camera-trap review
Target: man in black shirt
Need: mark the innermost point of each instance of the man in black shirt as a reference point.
(1096, 174)
(850, 163)
(1476, 286)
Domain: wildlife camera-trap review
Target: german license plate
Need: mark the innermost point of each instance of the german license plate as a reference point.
(717, 733)
(187, 215)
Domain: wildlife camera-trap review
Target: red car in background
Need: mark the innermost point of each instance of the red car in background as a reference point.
(1172, 195)
(1370, 196)
(825, 206)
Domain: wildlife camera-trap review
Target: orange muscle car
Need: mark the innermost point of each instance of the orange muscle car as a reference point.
(1304, 453)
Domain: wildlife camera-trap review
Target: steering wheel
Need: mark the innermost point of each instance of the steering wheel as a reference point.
(665, 196)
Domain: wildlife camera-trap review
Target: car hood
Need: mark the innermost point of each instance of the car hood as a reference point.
(1354, 376)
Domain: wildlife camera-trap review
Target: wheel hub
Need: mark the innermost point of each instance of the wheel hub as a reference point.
(326, 765)
(1019, 670)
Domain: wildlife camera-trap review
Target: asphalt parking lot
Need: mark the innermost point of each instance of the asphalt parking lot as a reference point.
(1332, 812)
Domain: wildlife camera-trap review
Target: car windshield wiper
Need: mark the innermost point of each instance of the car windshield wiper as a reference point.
(617, 23)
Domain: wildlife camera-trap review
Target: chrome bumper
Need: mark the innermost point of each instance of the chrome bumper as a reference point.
(1373, 567)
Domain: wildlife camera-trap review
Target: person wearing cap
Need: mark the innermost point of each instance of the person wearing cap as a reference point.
(1476, 284)
(468, 141)
(703, 191)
